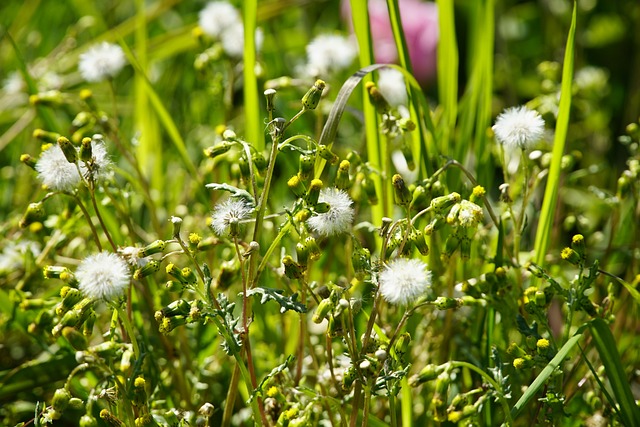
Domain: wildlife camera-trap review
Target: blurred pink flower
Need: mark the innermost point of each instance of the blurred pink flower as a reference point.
(420, 24)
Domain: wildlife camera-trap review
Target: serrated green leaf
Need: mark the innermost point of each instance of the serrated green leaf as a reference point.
(235, 191)
(286, 303)
(275, 371)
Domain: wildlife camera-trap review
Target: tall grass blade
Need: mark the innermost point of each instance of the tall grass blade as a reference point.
(543, 235)
(376, 146)
(606, 345)
(419, 138)
(253, 131)
(447, 74)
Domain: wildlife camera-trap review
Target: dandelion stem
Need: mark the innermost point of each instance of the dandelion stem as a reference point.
(88, 217)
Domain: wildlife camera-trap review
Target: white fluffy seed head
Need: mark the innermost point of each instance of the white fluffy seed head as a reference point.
(329, 53)
(103, 276)
(338, 218)
(519, 127)
(404, 280)
(55, 171)
(101, 62)
(217, 17)
(227, 212)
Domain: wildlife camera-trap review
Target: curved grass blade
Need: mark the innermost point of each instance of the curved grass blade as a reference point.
(606, 345)
(535, 386)
(543, 235)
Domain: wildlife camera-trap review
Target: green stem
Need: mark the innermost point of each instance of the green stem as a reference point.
(366, 405)
(88, 217)
(499, 395)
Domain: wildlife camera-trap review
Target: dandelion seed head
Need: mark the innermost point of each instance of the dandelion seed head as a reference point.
(101, 62)
(404, 280)
(55, 171)
(232, 40)
(329, 53)
(519, 127)
(228, 212)
(217, 17)
(103, 276)
(338, 218)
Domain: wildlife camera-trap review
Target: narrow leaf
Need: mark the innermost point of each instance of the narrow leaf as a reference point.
(606, 345)
(286, 303)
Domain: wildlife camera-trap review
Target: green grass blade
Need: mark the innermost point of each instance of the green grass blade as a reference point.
(543, 235)
(606, 345)
(376, 146)
(253, 132)
(419, 138)
(447, 73)
(535, 386)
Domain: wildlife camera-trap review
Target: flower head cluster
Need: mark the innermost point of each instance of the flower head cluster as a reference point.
(469, 214)
(404, 280)
(228, 214)
(329, 53)
(101, 62)
(103, 276)
(55, 171)
(519, 127)
(338, 218)
(57, 174)
(221, 21)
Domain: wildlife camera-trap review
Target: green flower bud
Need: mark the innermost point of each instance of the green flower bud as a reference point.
(259, 161)
(445, 303)
(292, 269)
(77, 340)
(296, 185)
(419, 241)
(60, 399)
(70, 297)
(401, 346)
(354, 158)
(168, 324)
(435, 224)
(322, 311)
(48, 137)
(86, 152)
(335, 327)
(153, 248)
(348, 378)
(450, 245)
(515, 350)
(326, 153)
(369, 188)
(218, 149)
(302, 253)
(139, 393)
(418, 198)
(51, 98)
(71, 318)
(305, 166)
(146, 270)
(401, 192)
(34, 212)
(342, 178)
(180, 307)
(523, 362)
(28, 160)
(87, 326)
(465, 247)
(68, 149)
(311, 99)
(570, 255)
(442, 203)
(110, 419)
(407, 152)
(376, 98)
(314, 192)
(577, 243)
(361, 261)
(144, 420)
